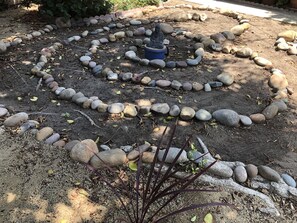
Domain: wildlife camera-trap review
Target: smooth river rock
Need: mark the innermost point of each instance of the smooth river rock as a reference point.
(251, 170)
(113, 157)
(84, 150)
(240, 174)
(116, 108)
(172, 153)
(203, 115)
(187, 113)
(16, 120)
(227, 117)
(44, 133)
(269, 174)
(161, 108)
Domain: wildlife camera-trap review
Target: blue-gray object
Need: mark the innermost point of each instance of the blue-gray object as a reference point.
(288, 179)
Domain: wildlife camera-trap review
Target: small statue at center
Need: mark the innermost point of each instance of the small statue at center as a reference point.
(157, 38)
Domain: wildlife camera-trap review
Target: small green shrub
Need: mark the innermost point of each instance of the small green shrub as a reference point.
(73, 8)
(129, 4)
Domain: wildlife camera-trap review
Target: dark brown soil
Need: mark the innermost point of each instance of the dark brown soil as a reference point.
(272, 143)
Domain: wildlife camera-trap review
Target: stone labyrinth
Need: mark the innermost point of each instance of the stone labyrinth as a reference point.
(133, 34)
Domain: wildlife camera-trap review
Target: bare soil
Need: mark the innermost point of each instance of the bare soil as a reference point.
(31, 194)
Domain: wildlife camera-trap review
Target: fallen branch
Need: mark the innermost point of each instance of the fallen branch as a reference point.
(88, 117)
(20, 76)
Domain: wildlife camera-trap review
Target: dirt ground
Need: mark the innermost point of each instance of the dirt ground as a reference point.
(31, 194)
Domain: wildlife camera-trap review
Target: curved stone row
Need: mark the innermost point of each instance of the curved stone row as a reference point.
(86, 151)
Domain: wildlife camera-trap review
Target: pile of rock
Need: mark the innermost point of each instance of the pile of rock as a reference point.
(285, 41)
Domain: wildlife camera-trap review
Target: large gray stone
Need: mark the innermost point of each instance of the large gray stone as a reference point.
(161, 108)
(172, 154)
(269, 174)
(187, 113)
(227, 117)
(84, 150)
(16, 120)
(113, 157)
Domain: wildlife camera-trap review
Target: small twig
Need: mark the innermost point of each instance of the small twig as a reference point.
(88, 117)
(39, 84)
(18, 74)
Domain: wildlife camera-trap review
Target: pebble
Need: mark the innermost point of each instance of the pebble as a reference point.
(269, 174)
(134, 22)
(197, 86)
(166, 28)
(174, 111)
(292, 50)
(181, 64)
(148, 157)
(288, 35)
(278, 81)
(215, 84)
(244, 52)
(126, 149)
(95, 42)
(36, 34)
(245, 120)
(270, 111)
(163, 83)
(116, 108)
(134, 154)
(199, 52)
(187, 86)
(288, 180)
(148, 32)
(130, 110)
(203, 17)
(187, 113)
(194, 62)
(162, 108)
(104, 40)
(76, 96)
(240, 174)
(102, 107)
(218, 38)
(52, 139)
(16, 120)
(144, 62)
(226, 78)
(95, 104)
(139, 31)
(81, 100)
(104, 147)
(171, 64)
(67, 94)
(130, 54)
(262, 61)
(229, 35)
(59, 90)
(219, 169)
(207, 87)
(127, 76)
(83, 151)
(93, 21)
(60, 143)
(203, 115)
(282, 106)
(227, 117)
(120, 35)
(237, 30)
(3, 112)
(158, 63)
(111, 76)
(176, 85)
(171, 155)
(85, 58)
(282, 46)
(251, 170)
(76, 38)
(44, 133)
(113, 157)
(68, 146)
(129, 33)
(92, 64)
(258, 118)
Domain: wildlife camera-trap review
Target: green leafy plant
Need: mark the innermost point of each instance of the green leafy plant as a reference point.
(155, 187)
(129, 4)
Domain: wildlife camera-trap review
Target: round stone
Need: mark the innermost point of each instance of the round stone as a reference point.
(244, 52)
(292, 50)
(113, 157)
(163, 83)
(187, 113)
(278, 81)
(282, 46)
(158, 63)
(145, 80)
(67, 94)
(269, 174)
(85, 58)
(218, 38)
(115, 108)
(262, 61)
(251, 170)
(270, 111)
(139, 31)
(44, 133)
(258, 118)
(171, 155)
(227, 117)
(84, 150)
(103, 40)
(245, 120)
(174, 111)
(240, 174)
(282, 106)
(229, 35)
(16, 120)
(197, 86)
(134, 22)
(207, 87)
(203, 115)
(226, 78)
(199, 52)
(187, 86)
(126, 76)
(237, 30)
(111, 76)
(288, 179)
(130, 110)
(171, 64)
(3, 112)
(68, 146)
(130, 54)
(161, 108)
(166, 28)
(52, 139)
